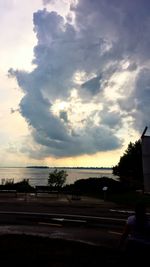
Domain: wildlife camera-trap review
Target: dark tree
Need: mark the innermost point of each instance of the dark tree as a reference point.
(57, 178)
(129, 169)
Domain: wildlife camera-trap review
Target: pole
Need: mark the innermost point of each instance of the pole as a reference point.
(144, 132)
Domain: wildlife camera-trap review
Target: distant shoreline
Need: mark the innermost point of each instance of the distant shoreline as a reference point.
(80, 168)
(38, 167)
(85, 168)
(76, 168)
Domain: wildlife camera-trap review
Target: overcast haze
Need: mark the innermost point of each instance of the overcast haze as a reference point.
(75, 80)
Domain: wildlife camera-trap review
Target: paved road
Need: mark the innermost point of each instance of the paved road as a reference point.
(88, 220)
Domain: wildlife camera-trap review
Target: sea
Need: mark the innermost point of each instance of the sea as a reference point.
(39, 176)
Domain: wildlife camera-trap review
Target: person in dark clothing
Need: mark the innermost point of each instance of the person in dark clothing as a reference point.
(136, 234)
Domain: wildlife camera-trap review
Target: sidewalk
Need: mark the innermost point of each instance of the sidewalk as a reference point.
(78, 200)
(45, 203)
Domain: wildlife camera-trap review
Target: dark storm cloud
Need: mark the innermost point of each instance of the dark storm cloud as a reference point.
(93, 140)
(126, 23)
(92, 85)
(111, 118)
(137, 104)
(63, 115)
(105, 33)
(45, 2)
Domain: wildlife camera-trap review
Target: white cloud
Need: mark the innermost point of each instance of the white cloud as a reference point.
(98, 56)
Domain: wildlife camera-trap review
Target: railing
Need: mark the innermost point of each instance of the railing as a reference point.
(40, 190)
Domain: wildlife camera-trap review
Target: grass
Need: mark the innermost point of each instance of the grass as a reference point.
(129, 198)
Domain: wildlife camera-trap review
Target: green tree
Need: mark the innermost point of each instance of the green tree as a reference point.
(129, 169)
(57, 178)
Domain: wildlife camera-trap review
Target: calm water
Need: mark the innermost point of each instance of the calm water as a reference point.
(40, 176)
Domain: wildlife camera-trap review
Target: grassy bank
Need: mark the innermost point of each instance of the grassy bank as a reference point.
(129, 198)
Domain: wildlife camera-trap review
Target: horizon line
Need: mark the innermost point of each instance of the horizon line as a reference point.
(53, 167)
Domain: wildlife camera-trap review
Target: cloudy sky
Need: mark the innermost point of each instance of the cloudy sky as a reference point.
(74, 80)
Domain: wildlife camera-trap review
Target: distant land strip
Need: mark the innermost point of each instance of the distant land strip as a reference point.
(46, 167)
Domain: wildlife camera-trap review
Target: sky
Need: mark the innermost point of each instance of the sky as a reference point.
(74, 80)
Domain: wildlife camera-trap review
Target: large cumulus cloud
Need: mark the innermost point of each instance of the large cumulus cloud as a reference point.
(85, 53)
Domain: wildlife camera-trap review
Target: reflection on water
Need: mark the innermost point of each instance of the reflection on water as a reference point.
(40, 176)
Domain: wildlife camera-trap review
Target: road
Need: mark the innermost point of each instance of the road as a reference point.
(89, 220)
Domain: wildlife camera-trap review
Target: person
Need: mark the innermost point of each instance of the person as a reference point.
(136, 234)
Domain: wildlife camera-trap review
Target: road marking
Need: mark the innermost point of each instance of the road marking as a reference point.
(62, 215)
(68, 220)
(50, 224)
(125, 211)
(115, 233)
(122, 211)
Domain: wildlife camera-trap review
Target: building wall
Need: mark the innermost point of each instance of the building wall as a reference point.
(146, 162)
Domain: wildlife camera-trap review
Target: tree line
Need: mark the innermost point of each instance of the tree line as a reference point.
(129, 168)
